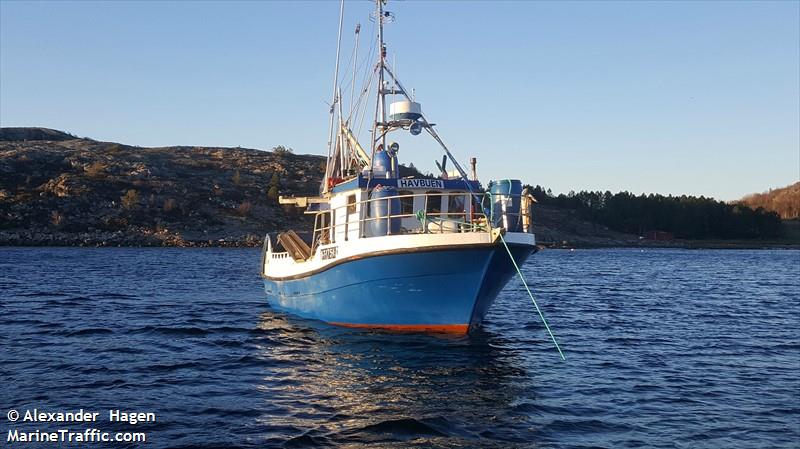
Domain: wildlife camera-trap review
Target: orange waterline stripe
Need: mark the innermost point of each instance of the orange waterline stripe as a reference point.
(446, 328)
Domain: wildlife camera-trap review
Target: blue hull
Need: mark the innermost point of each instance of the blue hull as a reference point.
(444, 290)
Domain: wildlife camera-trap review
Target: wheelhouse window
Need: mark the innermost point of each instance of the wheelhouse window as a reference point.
(455, 205)
(434, 199)
(406, 202)
(324, 229)
(351, 204)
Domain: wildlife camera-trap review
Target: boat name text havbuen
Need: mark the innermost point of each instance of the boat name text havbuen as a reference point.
(420, 183)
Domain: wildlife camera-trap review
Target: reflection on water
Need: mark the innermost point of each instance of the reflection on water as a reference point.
(360, 386)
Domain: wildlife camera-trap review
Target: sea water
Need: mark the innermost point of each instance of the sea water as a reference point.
(665, 348)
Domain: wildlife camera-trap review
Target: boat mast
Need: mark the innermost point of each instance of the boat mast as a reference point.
(380, 123)
(382, 49)
(331, 134)
(380, 106)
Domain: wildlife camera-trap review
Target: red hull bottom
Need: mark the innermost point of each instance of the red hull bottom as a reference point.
(436, 328)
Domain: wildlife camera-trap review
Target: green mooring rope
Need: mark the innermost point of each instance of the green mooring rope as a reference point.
(522, 278)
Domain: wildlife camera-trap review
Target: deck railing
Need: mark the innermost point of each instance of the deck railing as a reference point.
(469, 216)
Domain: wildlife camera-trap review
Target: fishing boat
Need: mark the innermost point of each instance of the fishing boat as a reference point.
(394, 251)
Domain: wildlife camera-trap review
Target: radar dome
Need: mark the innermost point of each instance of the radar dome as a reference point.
(405, 110)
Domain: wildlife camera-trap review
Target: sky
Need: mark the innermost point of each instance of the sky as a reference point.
(697, 98)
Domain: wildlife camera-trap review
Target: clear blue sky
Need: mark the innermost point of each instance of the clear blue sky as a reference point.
(699, 98)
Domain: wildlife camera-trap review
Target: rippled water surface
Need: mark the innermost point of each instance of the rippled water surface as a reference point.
(665, 348)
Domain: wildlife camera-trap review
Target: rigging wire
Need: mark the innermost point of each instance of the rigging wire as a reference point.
(363, 64)
(366, 77)
(364, 109)
(334, 95)
(356, 105)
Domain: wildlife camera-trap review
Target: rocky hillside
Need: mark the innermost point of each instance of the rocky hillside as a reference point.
(56, 189)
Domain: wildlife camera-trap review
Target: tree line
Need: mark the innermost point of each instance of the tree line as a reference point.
(686, 217)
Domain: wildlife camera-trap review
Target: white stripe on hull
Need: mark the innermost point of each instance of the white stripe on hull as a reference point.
(280, 265)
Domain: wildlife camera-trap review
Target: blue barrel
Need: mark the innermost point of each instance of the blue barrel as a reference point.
(505, 207)
(382, 165)
(379, 225)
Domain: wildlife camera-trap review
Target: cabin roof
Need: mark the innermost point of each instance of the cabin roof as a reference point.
(360, 182)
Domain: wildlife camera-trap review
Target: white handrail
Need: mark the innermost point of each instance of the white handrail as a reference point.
(470, 218)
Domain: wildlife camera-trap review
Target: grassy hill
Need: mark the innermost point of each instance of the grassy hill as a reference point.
(785, 201)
